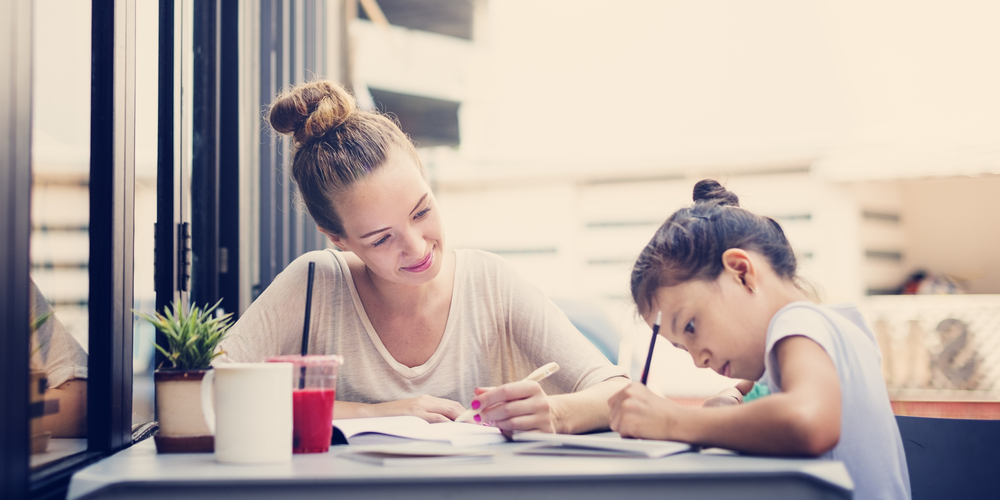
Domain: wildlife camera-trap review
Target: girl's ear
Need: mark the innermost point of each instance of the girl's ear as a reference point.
(737, 262)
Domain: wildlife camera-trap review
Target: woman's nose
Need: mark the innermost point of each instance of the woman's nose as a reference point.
(413, 243)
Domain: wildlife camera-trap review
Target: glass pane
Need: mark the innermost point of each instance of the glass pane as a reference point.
(60, 228)
(146, 44)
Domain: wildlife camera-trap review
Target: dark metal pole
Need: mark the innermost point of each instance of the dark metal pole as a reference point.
(15, 232)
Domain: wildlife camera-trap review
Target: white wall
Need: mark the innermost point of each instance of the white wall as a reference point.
(954, 227)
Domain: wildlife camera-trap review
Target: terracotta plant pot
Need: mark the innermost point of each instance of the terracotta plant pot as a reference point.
(39, 434)
(178, 408)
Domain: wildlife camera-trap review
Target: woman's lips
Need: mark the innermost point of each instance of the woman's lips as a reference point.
(423, 265)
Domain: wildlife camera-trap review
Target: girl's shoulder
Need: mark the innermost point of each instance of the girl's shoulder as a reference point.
(826, 324)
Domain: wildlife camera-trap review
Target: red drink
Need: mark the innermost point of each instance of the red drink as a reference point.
(312, 418)
(315, 386)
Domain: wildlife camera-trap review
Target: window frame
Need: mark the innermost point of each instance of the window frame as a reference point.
(112, 179)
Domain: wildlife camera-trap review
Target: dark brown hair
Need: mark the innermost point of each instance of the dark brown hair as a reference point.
(690, 244)
(335, 144)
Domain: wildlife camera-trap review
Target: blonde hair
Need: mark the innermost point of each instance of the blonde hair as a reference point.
(334, 144)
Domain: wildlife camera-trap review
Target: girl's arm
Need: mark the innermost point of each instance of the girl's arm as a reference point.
(804, 419)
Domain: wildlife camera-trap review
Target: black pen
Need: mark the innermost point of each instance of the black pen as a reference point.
(652, 342)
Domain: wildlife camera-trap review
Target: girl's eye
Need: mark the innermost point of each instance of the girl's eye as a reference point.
(422, 213)
(690, 327)
(380, 241)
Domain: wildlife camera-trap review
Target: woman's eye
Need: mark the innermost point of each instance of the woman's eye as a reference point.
(380, 241)
(422, 213)
(690, 327)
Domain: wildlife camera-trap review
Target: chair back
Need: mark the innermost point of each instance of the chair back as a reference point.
(951, 458)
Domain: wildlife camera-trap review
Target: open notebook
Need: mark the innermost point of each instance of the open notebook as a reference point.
(417, 453)
(401, 429)
(598, 445)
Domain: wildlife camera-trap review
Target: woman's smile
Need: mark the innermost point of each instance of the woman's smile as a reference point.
(423, 265)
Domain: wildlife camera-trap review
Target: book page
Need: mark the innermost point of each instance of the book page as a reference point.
(417, 453)
(386, 430)
(598, 445)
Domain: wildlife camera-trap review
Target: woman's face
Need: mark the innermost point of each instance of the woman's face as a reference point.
(392, 223)
(716, 322)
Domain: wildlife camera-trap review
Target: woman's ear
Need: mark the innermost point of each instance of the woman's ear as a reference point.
(336, 240)
(738, 263)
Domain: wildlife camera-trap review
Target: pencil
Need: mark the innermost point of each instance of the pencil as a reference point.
(652, 342)
(537, 376)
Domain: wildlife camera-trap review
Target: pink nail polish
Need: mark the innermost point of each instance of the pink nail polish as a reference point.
(477, 418)
(475, 404)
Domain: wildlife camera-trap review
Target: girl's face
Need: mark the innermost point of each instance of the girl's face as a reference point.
(392, 223)
(720, 323)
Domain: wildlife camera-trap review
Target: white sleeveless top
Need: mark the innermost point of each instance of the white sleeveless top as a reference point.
(870, 445)
(499, 329)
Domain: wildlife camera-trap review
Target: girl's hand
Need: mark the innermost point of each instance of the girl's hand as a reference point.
(521, 406)
(638, 413)
(429, 408)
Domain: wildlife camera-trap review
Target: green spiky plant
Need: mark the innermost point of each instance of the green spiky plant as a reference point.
(36, 324)
(192, 336)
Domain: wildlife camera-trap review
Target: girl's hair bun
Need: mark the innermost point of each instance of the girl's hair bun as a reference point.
(710, 190)
(309, 111)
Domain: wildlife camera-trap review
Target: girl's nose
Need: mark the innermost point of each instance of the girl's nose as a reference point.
(706, 360)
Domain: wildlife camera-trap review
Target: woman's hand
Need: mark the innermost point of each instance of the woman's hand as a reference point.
(521, 406)
(429, 408)
(727, 397)
(638, 413)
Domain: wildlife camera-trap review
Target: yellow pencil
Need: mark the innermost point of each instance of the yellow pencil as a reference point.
(537, 376)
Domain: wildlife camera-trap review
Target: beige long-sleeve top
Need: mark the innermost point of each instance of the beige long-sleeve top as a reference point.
(499, 329)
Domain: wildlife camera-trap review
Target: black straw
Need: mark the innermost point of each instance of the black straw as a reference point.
(305, 324)
(652, 342)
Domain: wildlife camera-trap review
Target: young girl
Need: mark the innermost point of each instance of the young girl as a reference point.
(724, 281)
(424, 330)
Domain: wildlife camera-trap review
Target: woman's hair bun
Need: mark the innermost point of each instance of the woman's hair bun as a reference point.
(310, 110)
(710, 190)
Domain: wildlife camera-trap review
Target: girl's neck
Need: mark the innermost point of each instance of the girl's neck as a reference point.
(783, 292)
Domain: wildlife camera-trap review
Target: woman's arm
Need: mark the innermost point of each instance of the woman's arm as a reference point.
(524, 406)
(730, 395)
(804, 419)
(427, 407)
(586, 410)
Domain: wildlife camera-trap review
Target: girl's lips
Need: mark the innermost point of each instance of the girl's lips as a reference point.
(725, 370)
(423, 265)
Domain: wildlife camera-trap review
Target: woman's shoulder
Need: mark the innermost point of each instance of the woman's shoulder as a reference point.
(481, 259)
(328, 266)
(477, 265)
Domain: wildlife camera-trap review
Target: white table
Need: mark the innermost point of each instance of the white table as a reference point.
(139, 472)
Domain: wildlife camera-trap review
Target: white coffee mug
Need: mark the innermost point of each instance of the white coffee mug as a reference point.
(251, 415)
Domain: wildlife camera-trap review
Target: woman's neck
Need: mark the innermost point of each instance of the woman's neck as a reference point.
(411, 299)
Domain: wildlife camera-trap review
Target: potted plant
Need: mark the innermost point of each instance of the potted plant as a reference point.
(192, 338)
(37, 383)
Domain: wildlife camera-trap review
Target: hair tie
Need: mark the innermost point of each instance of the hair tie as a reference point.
(703, 217)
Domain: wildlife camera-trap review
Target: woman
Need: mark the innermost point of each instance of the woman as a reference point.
(424, 331)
